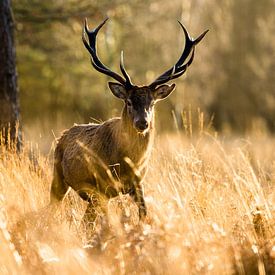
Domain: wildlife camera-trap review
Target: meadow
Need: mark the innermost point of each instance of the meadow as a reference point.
(210, 202)
(209, 190)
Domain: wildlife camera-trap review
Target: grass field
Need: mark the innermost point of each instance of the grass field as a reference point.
(211, 211)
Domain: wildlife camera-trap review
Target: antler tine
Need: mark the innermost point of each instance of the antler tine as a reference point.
(91, 47)
(189, 43)
(92, 34)
(181, 70)
(124, 72)
(180, 67)
(198, 40)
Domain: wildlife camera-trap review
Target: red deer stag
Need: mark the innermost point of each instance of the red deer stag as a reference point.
(93, 158)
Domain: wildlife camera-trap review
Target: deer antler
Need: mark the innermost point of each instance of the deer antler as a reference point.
(97, 64)
(180, 67)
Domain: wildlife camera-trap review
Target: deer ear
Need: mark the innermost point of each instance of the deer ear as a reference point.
(118, 90)
(163, 91)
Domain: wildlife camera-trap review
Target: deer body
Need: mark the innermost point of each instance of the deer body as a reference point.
(85, 152)
(109, 142)
(112, 157)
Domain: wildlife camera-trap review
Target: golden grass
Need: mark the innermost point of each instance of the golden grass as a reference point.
(210, 203)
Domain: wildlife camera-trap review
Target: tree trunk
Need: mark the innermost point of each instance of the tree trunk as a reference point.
(9, 107)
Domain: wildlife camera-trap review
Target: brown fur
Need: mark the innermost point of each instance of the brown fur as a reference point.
(85, 153)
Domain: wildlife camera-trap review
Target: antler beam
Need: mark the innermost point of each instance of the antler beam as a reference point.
(180, 67)
(97, 64)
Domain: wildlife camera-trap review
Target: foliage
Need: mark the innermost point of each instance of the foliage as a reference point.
(231, 79)
(244, 91)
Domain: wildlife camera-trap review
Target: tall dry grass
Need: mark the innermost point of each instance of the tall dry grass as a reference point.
(210, 203)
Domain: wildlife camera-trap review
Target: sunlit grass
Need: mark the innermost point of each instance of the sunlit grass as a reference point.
(210, 205)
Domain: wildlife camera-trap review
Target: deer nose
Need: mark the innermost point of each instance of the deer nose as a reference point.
(141, 125)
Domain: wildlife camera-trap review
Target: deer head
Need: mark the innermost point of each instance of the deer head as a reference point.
(140, 100)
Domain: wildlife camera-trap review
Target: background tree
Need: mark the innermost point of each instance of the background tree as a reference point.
(244, 91)
(231, 78)
(9, 107)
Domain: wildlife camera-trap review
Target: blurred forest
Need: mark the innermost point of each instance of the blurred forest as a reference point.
(231, 79)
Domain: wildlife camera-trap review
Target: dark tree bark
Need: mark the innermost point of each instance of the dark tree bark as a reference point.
(9, 106)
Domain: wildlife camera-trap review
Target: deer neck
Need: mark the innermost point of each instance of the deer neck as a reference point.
(136, 144)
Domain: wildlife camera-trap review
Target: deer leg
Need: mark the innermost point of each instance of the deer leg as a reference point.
(88, 192)
(136, 193)
(95, 210)
(59, 187)
(139, 198)
(95, 192)
(134, 188)
(92, 211)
